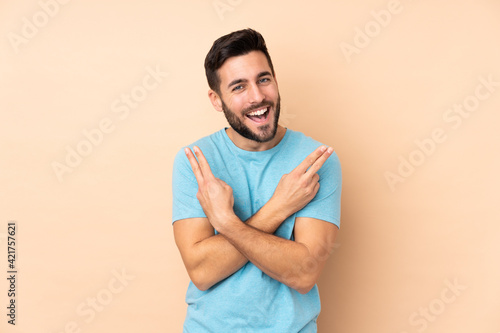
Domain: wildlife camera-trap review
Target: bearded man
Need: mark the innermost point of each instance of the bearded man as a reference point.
(256, 206)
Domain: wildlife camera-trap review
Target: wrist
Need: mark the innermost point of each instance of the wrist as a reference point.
(275, 210)
(224, 221)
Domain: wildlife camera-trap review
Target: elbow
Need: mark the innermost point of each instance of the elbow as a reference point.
(305, 289)
(200, 285)
(200, 280)
(304, 284)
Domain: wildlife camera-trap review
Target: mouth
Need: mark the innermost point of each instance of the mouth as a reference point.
(259, 116)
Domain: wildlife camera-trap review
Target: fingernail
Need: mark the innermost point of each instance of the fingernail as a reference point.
(330, 150)
(196, 150)
(186, 150)
(323, 148)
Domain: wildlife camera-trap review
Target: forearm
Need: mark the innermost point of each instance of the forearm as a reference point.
(216, 258)
(210, 258)
(279, 258)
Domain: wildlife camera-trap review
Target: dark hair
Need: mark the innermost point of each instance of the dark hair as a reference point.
(236, 43)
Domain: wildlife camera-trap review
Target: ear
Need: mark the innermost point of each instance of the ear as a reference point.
(215, 100)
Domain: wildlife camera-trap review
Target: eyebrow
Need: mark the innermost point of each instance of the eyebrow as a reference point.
(236, 81)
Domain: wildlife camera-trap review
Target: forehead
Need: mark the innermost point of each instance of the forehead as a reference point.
(246, 66)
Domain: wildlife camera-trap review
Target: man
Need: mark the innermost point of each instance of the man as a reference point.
(251, 221)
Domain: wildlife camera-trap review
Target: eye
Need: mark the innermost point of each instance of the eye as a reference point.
(237, 88)
(264, 79)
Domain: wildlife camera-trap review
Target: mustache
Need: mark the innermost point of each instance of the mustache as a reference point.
(258, 106)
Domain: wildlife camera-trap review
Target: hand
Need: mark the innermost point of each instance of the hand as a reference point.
(215, 195)
(296, 189)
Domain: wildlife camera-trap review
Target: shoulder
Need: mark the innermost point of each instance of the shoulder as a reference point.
(210, 145)
(211, 141)
(302, 142)
(303, 145)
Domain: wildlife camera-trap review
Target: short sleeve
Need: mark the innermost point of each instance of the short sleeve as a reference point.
(184, 189)
(326, 204)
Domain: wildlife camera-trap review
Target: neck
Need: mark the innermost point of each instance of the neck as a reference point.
(251, 145)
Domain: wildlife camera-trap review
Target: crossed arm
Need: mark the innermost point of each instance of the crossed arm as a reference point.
(210, 258)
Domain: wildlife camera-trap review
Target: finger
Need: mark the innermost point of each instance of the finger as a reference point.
(194, 165)
(319, 162)
(204, 166)
(313, 182)
(315, 178)
(309, 160)
(316, 189)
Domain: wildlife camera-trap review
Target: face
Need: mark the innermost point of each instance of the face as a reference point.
(249, 96)
(265, 132)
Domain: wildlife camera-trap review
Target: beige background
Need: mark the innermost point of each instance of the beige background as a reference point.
(401, 245)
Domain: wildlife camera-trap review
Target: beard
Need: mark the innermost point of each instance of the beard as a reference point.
(266, 132)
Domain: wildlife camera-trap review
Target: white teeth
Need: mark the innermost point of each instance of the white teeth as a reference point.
(257, 113)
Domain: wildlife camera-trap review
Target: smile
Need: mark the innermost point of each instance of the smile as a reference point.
(259, 115)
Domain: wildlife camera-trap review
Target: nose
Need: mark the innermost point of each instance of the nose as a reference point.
(255, 94)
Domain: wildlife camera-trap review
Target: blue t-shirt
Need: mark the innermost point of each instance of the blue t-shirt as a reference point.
(249, 300)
